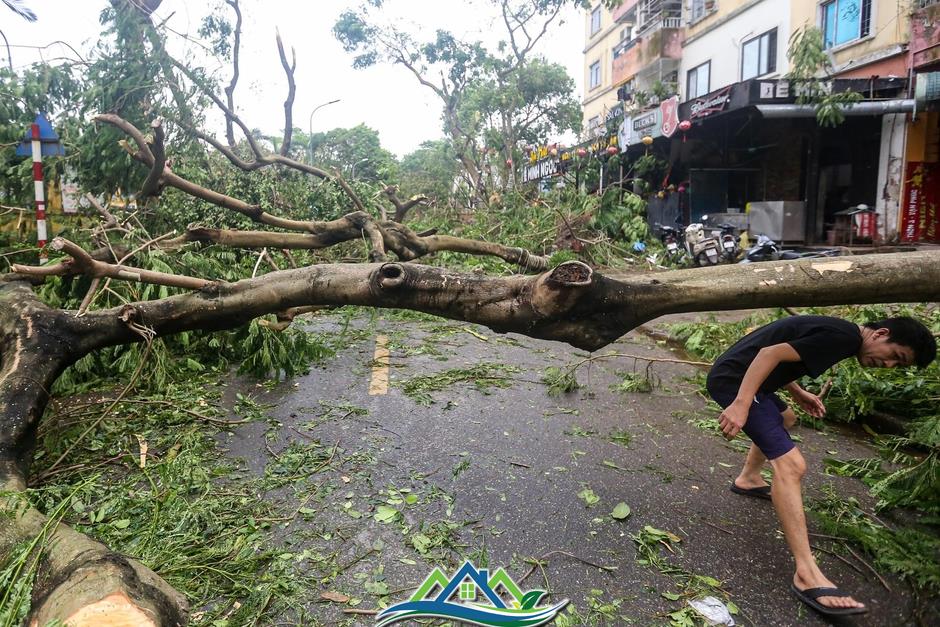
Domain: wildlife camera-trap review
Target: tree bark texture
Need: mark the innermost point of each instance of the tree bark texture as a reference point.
(571, 303)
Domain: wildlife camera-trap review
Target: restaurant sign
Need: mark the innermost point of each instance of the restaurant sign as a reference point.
(715, 102)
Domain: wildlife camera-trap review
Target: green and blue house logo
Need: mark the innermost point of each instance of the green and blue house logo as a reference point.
(470, 583)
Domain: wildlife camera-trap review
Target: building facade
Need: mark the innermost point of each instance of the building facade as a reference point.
(631, 55)
(732, 41)
(750, 139)
(602, 32)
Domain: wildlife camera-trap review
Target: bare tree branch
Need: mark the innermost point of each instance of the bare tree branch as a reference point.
(291, 92)
(230, 90)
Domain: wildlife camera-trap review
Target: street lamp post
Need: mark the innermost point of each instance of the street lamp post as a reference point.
(352, 174)
(310, 125)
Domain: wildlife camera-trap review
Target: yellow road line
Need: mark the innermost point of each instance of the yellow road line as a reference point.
(379, 383)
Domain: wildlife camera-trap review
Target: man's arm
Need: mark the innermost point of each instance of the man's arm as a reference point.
(808, 402)
(768, 358)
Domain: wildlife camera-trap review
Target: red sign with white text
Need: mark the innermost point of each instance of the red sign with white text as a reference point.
(920, 215)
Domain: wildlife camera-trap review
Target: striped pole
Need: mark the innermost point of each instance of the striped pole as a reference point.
(40, 193)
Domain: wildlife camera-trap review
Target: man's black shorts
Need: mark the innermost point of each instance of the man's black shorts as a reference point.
(764, 420)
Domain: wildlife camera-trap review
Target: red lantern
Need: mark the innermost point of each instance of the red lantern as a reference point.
(682, 189)
(612, 150)
(581, 152)
(684, 126)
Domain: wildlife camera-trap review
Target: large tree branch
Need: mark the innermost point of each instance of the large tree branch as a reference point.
(571, 303)
(383, 236)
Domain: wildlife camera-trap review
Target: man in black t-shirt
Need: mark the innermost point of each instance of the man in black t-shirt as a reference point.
(744, 380)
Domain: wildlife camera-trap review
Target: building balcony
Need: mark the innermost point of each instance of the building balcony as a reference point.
(630, 58)
(925, 34)
(621, 13)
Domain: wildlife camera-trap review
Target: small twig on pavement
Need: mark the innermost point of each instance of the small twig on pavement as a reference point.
(713, 526)
(868, 566)
(536, 562)
(355, 561)
(838, 557)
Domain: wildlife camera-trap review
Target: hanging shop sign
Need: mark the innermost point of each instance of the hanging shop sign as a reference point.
(647, 124)
(539, 170)
(557, 160)
(669, 112)
(715, 102)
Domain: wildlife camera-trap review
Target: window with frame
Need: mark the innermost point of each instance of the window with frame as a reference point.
(596, 20)
(844, 21)
(594, 79)
(759, 55)
(697, 80)
(701, 8)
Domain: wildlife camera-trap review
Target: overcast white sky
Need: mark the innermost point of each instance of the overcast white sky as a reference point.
(387, 98)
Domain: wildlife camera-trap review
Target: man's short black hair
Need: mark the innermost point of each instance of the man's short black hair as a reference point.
(911, 333)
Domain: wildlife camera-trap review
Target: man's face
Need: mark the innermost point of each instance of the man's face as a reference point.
(880, 352)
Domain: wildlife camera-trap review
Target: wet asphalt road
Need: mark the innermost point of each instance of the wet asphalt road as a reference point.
(497, 475)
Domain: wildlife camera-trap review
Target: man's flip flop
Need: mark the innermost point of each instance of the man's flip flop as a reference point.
(810, 595)
(762, 492)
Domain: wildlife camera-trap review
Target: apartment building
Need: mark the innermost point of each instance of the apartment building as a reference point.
(630, 51)
(750, 140)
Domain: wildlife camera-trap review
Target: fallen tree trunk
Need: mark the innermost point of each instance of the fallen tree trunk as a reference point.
(570, 303)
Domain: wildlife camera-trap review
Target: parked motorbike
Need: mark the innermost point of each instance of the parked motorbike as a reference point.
(729, 240)
(669, 236)
(703, 250)
(765, 249)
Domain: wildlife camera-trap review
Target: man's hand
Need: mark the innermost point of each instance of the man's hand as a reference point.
(732, 419)
(810, 403)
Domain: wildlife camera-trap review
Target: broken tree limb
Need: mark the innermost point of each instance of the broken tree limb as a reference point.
(82, 263)
(382, 235)
(151, 186)
(402, 207)
(570, 303)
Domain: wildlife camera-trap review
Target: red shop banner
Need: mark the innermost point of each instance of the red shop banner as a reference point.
(920, 215)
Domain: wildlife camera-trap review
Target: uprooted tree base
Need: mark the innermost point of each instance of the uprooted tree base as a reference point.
(80, 581)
